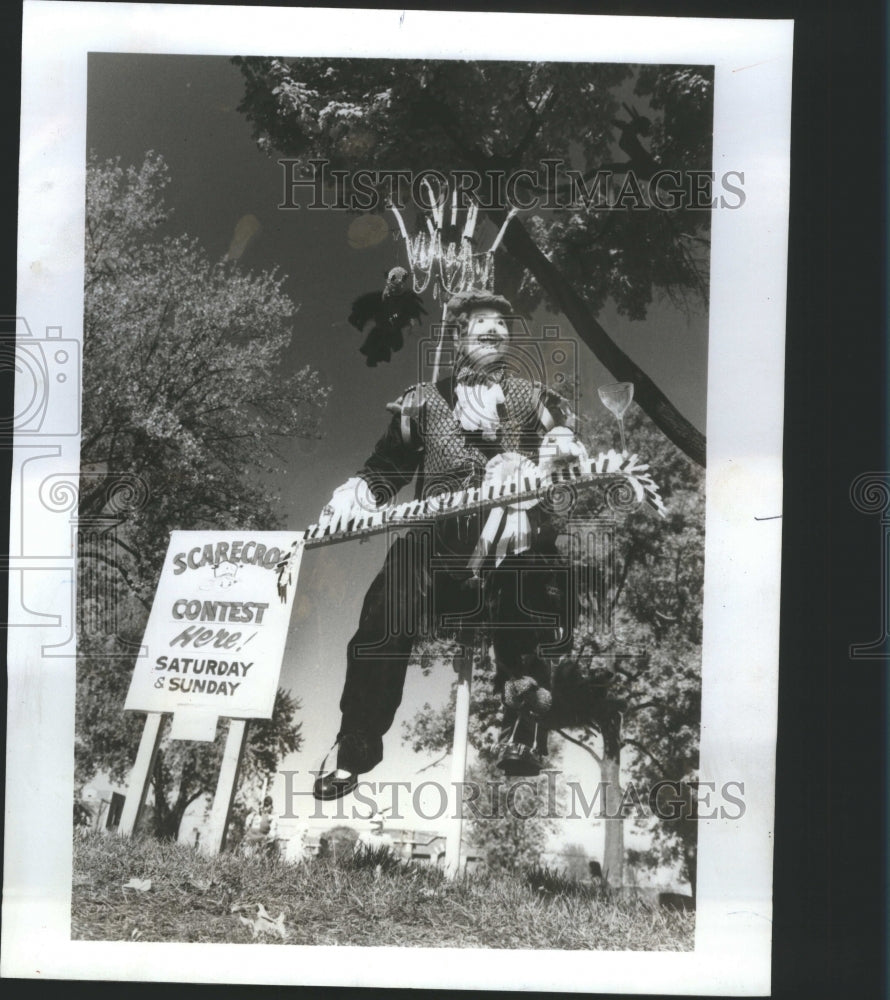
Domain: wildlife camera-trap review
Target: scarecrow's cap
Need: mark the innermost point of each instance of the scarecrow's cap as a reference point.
(475, 298)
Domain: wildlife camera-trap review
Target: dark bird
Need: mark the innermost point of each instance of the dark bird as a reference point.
(391, 312)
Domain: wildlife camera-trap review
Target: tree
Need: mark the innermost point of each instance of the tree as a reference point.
(184, 386)
(630, 692)
(185, 394)
(496, 119)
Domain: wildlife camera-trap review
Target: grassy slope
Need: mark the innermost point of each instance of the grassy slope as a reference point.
(350, 902)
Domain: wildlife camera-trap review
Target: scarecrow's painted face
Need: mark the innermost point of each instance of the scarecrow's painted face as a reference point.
(486, 338)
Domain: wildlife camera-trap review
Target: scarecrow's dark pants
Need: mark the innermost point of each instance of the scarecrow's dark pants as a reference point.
(420, 593)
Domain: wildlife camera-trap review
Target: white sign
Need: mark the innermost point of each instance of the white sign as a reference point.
(216, 634)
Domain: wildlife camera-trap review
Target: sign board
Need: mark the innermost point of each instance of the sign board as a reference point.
(216, 633)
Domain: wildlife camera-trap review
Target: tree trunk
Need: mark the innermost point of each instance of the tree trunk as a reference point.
(691, 856)
(613, 849)
(159, 790)
(652, 400)
(610, 776)
(174, 817)
(167, 818)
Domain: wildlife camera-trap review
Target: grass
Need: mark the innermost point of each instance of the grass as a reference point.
(366, 900)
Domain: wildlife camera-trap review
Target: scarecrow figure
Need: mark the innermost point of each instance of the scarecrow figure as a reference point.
(497, 571)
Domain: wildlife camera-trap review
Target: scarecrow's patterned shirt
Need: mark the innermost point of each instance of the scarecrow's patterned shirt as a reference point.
(427, 440)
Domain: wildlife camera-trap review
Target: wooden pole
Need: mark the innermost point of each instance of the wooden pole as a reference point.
(438, 358)
(463, 665)
(140, 776)
(236, 740)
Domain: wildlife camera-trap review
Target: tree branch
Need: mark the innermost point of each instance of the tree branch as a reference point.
(628, 742)
(450, 125)
(663, 705)
(650, 398)
(579, 743)
(641, 706)
(197, 795)
(435, 763)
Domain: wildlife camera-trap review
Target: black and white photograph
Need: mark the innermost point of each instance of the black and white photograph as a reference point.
(397, 497)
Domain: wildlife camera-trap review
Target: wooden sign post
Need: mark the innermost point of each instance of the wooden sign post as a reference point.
(140, 776)
(226, 786)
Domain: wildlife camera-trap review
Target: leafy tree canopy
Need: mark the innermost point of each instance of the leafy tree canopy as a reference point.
(491, 117)
(184, 383)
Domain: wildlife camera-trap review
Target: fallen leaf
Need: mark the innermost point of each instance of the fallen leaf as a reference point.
(140, 884)
(264, 924)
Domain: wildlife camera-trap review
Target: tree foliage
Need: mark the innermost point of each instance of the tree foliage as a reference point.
(185, 394)
(499, 118)
(513, 826)
(184, 384)
(646, 717)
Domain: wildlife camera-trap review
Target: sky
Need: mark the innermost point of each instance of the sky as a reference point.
(185, 108)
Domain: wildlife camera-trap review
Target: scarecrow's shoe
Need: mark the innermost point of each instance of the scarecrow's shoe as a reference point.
(519, 761)
(334, 785)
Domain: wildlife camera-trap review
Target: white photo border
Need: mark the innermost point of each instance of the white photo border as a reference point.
(752, 60)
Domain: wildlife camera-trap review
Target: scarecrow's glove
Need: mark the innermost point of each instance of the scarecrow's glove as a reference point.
(351, 500)
(561, 447)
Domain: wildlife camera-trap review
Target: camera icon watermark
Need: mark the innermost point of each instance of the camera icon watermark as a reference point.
(46, 370)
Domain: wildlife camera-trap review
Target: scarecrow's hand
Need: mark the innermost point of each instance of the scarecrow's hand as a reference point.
(351, 500)
(561, 447)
